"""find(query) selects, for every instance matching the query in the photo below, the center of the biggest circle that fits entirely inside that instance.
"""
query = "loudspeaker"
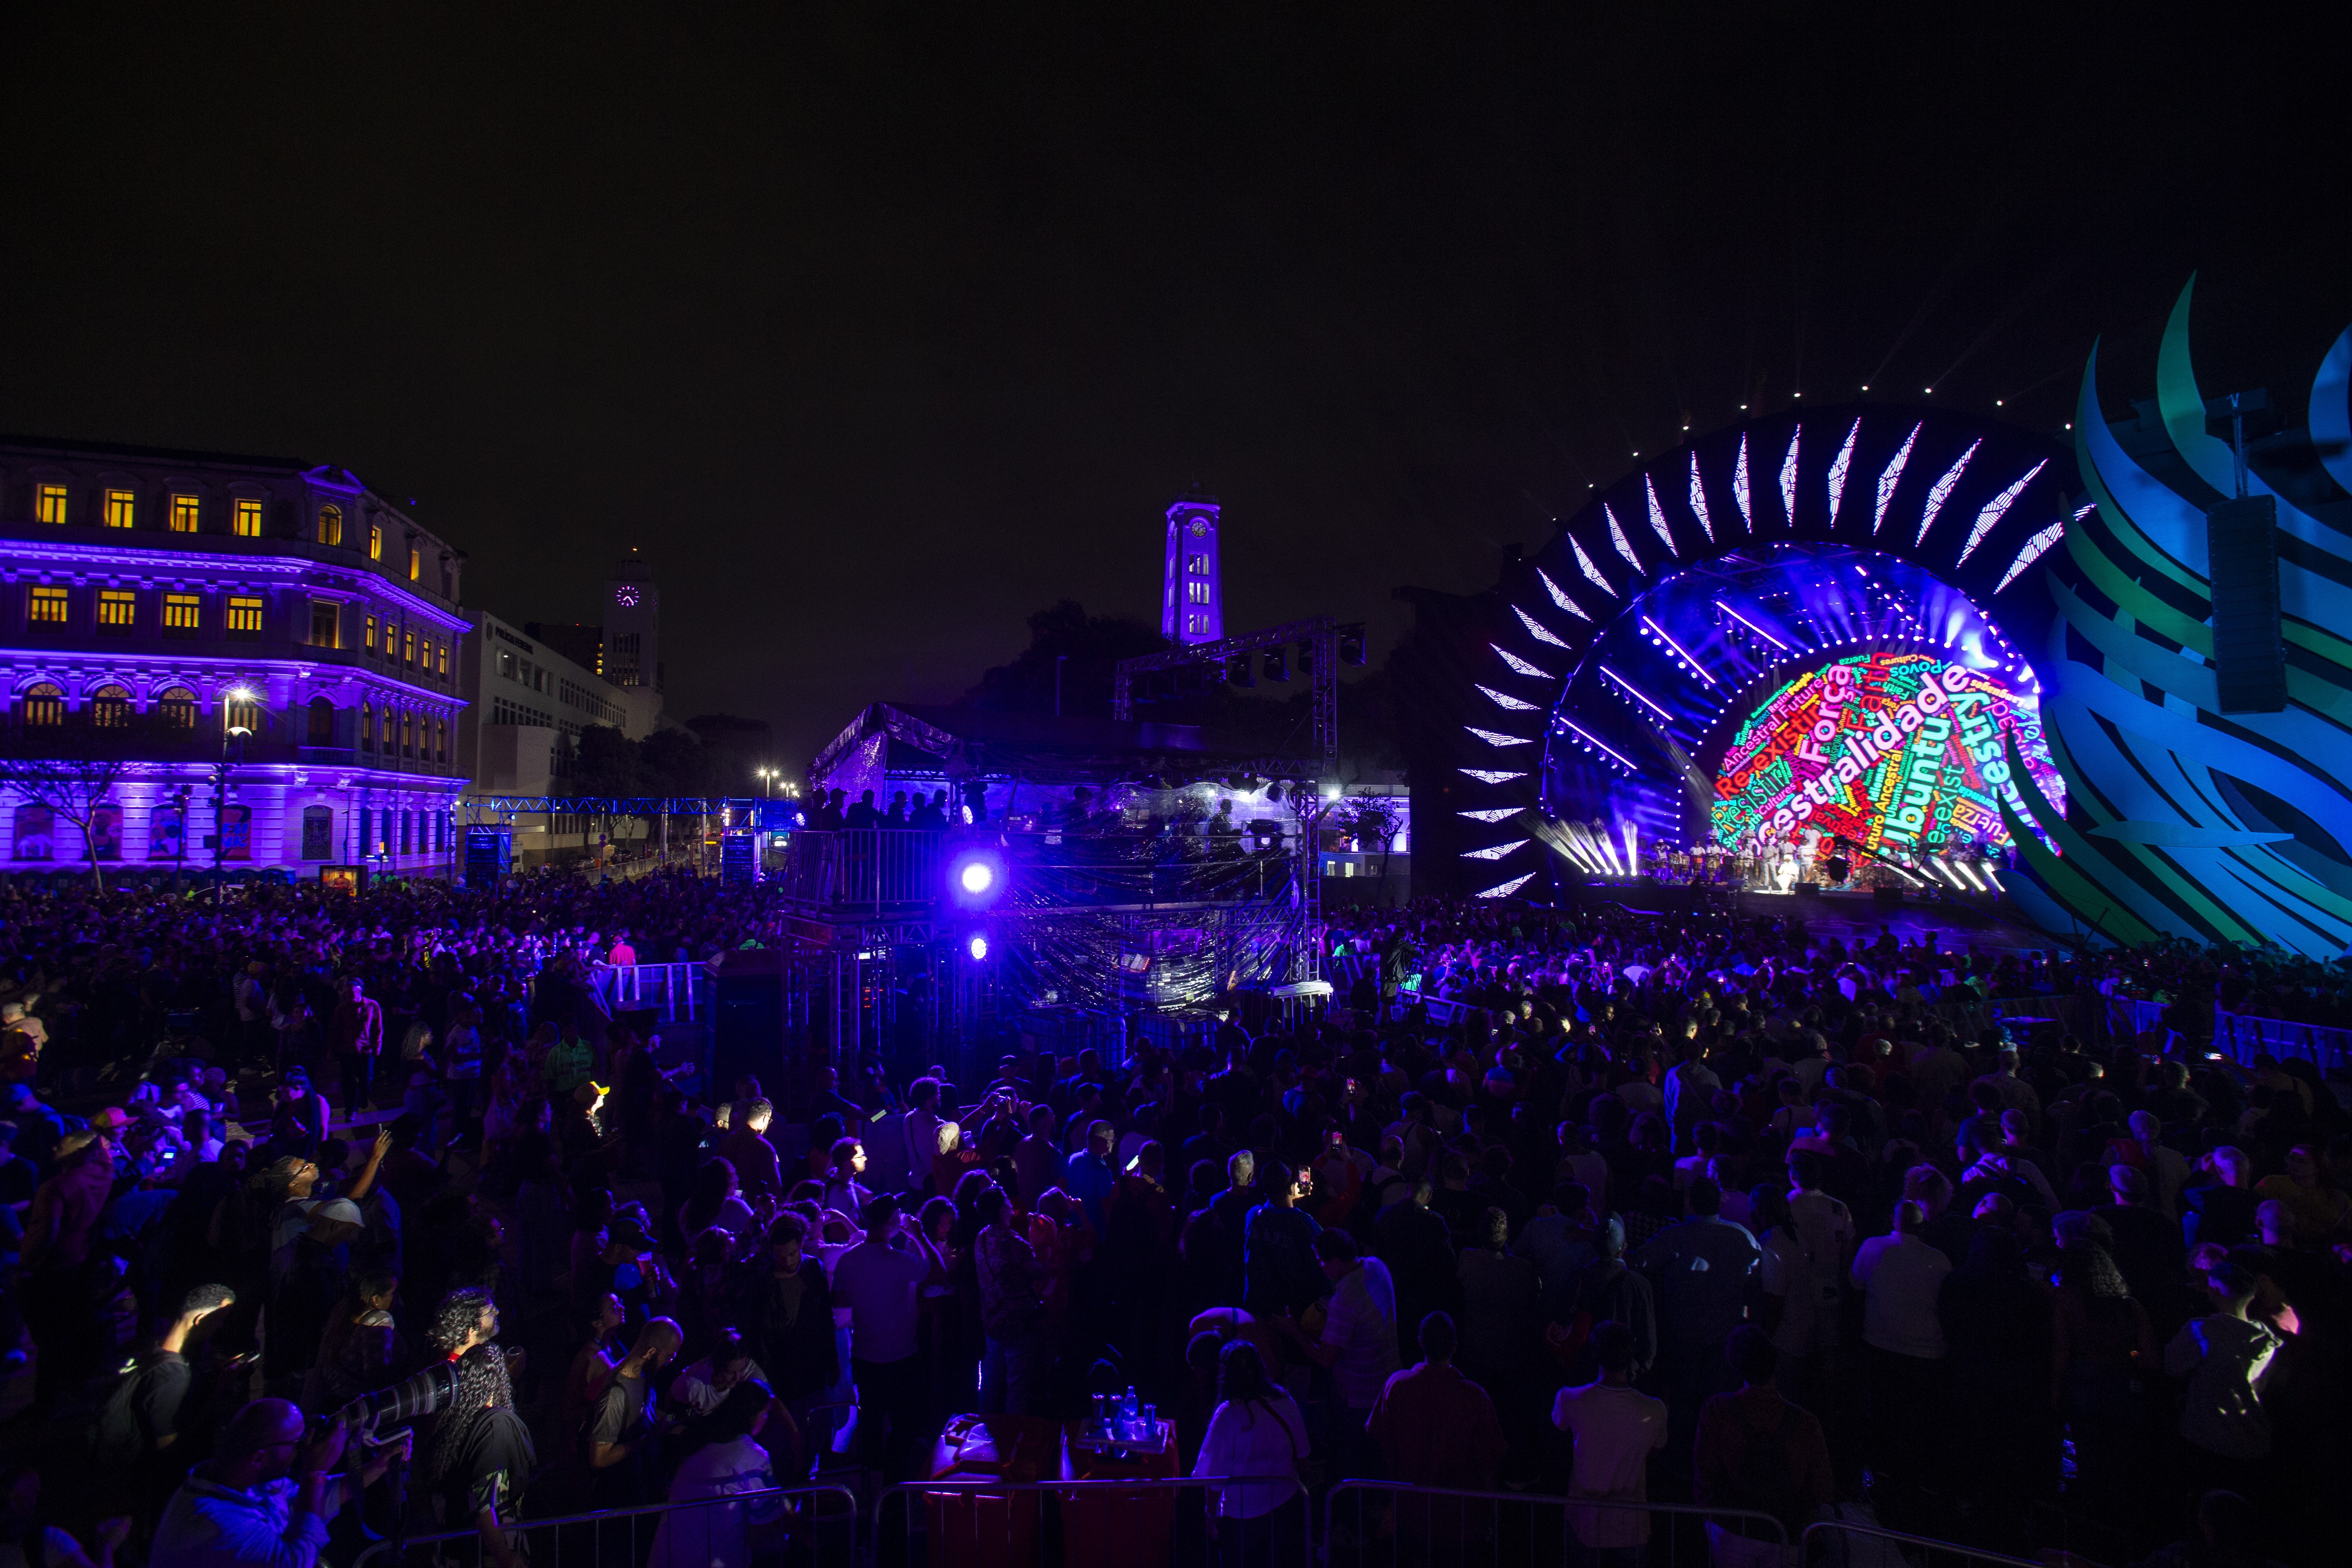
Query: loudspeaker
(747, 1034)
(2241, 540)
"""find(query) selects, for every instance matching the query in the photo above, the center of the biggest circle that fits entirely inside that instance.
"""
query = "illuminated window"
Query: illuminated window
(121, 509)
(245, 716)
(1198, 567)
(1196, 623)
(331, 525)
(182, 613)
(367, 638)
(408, 734)
(440, 740)
(415, 563)
(49, 504)
(184, 515)
(46, 606)
(375, 542)
(175, 707)
(42, 704)
(1196, 590)
(408, 647)
(441, 661)
(110, 707)
(117, 609)
(325, 622)
(367, 726)
(247, 521)
(244, 616)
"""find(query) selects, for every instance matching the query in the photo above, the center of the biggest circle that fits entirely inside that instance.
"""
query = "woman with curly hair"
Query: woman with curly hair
(480, 1454)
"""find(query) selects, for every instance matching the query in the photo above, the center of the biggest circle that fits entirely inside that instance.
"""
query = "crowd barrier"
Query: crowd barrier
(820, 1522)
(1132, 1524)
(2242, 1036)
(1387, 1524)
(665, 988)
(1837, 1544)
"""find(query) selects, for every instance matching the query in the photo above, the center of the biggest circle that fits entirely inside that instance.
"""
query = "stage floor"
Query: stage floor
(1994, 925)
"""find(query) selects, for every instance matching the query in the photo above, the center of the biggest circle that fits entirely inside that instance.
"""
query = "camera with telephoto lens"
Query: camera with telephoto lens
(387, 1409)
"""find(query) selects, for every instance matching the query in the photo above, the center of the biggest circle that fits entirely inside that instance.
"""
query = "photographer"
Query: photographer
(264, 1498)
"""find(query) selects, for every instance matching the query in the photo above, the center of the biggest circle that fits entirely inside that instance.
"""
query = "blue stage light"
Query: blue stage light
(977, 877)
(978, 947)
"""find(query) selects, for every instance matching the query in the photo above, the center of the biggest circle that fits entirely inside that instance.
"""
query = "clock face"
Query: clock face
(624, 596)
(1200, 528)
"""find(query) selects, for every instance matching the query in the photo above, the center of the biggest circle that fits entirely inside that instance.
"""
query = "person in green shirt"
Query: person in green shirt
(569, 1061)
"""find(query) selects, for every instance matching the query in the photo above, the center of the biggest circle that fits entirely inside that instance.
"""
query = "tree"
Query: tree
(1369, 819)
(72, 767)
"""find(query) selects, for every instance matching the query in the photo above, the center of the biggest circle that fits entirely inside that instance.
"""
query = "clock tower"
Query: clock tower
(1193, 594)
(631, 651)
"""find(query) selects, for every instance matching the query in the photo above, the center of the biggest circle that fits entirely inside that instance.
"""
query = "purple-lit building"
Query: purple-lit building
(1192, 592)
(163, 584)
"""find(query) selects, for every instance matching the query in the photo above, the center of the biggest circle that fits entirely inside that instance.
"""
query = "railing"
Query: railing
(863, 869)
(623, 1536)
(1135, 1523)
(667, 987)
(1834, 1542)
(1380, 1524)
(2242, 1036)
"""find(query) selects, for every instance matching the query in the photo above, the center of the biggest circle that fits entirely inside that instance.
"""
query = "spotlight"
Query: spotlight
(1273, 794)
(976, 879)
(978, 947)
(1352, 644)
(1277, 663)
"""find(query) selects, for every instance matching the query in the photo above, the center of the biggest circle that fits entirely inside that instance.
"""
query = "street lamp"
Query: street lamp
(231, 696)
(768, 777)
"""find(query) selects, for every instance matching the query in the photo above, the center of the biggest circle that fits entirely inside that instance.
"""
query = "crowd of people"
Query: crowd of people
(1675, 1207)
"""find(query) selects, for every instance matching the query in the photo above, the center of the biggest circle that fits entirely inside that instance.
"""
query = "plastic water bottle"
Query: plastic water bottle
(1127, 1415)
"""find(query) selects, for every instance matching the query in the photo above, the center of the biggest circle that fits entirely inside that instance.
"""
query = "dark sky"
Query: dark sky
(879, 326)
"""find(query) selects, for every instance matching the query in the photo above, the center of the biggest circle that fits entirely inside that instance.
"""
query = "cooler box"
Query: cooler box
(984, 1529)
(1129, 1530)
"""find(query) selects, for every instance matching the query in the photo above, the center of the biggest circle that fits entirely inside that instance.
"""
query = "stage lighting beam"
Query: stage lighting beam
(1751, 626)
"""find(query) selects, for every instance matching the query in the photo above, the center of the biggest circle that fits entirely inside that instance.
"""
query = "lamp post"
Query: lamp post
(229, 732)
(767, 777)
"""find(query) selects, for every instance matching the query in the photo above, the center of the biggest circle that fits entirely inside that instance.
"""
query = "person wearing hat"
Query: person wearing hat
(22, 1039)
(302, 1115)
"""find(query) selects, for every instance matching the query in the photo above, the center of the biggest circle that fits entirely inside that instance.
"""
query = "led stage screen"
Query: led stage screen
(1900, 752)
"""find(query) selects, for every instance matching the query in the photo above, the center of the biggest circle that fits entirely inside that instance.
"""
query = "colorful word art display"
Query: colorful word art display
(1900, 753)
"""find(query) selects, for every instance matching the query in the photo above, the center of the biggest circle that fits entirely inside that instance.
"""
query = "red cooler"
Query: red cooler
(989, 1529)
(1129, 1530)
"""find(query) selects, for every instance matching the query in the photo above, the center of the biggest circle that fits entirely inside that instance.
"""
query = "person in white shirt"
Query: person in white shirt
(1617, 1429)
(1256, 1430)
(704, 1385)
(1901, 1277)
(730, 1463)
(877, 1281)
(1358, 1342)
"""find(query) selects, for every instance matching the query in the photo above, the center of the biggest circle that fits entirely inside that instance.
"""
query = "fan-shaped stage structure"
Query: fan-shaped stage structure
(1798, 627)
(1940, 639)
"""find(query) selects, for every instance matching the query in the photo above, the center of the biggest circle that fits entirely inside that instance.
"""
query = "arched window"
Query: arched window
(175, 707)
(110, 707)
(367, 726)
(408, 734)
(331, 525)
(42, 703)
(245, 716)
(318, 832)
(441, 740)
(322, 722)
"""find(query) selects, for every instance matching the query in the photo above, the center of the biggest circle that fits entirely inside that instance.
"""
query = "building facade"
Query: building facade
(527, 705)
(1192, 592)
(282, 640)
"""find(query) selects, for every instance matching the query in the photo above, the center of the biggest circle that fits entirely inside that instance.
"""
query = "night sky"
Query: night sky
(880, 325)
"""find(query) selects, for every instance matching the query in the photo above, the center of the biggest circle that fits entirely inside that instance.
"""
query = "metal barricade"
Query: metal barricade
(666, 988)
(1392, 1524)
(1032, 1526)
(820, 1522)
(1834, 1543)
